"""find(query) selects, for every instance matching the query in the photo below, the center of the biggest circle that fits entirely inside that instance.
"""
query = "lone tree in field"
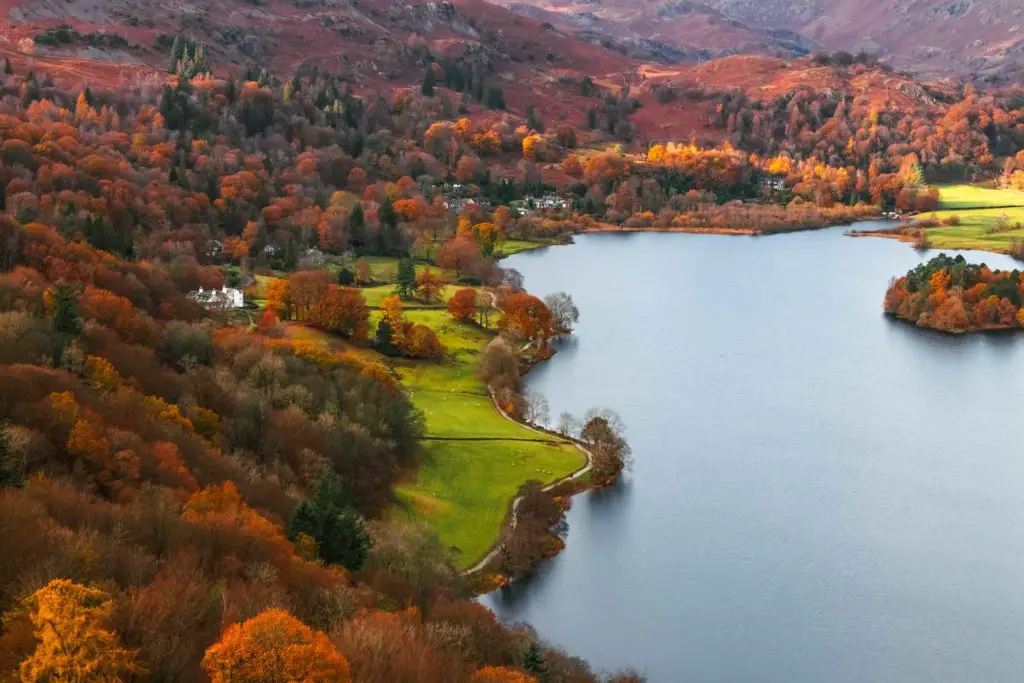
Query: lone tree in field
(462, 306)
(536, 409)
(429, 286)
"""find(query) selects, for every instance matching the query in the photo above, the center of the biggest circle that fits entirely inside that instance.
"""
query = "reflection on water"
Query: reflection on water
(819, 492)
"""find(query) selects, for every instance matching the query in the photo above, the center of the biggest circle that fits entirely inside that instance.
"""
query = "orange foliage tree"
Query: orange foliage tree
(305, 289)
(462, 305)
(342, 310)
(501, 674)
(526, 316)
(279, 299)
(274, 647)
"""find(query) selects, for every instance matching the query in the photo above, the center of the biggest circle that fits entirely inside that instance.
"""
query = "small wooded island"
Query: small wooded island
(951, 295)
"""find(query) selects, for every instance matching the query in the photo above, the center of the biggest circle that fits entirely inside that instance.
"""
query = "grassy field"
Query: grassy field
(978, 209)
(510, 247)
(473, 459)
(376, 294)
(965, 197)
(464, 488)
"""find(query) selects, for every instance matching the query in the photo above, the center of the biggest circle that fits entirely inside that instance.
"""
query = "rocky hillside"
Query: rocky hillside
(982, 39)
(669, 31)
(371, 45)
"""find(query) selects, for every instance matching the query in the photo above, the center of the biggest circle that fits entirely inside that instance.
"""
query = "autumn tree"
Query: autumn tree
(500, 674)
(305, 289)
(274, 647)
(526, 316)
(418, 341)
(75, 642)
(462, 305)
(342, 310)
(268, 323)
(461, 254)
(362, 272)
(429, 286)
(279, 299)
(392, 310)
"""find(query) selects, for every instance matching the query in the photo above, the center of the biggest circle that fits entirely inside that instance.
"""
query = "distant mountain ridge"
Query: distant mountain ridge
(980, 39)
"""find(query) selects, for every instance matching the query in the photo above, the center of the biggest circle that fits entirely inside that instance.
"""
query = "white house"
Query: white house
(221, 299)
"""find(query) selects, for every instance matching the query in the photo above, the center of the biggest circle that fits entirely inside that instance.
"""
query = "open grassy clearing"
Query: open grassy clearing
(971, 233)
(510, 247)
(978, 209)
(375, 295)
(257, 291)
(464, 487)
(474, 460)
(966, 197)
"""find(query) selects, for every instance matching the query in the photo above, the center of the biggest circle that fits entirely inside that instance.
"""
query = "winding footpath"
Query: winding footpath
(513, 517)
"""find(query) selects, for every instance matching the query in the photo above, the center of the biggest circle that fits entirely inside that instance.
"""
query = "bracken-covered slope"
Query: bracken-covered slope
(979, 38)
(666, 31)
(371, 44)
(542, 60)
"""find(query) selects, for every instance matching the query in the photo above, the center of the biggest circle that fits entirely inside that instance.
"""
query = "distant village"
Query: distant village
(455, 200)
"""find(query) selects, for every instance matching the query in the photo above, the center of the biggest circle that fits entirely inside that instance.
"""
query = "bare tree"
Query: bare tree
(499, 365)
(567, 424)
(536, 409)
(564, 313)
(512, 278)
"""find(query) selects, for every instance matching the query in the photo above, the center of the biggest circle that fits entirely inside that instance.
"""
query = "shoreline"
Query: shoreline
(694, 230)
(511, 518)
(907, 239)
(609, 228)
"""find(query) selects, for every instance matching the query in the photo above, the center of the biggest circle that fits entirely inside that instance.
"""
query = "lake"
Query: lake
(819, 494)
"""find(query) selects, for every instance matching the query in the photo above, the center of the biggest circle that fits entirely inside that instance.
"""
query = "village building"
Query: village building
(225, 298)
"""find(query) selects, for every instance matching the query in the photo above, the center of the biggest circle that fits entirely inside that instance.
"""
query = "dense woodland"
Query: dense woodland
(181, 496)
(951, 295)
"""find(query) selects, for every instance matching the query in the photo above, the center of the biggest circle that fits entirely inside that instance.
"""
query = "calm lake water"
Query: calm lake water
(819, 494)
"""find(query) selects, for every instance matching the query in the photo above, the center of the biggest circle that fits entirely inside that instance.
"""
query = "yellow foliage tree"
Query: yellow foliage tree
(102, 376)
(429, 286)
(391, 308)
(274, 647)
(74, 641)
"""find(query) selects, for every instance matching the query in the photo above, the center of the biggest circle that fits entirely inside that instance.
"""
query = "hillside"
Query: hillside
(667, 32)
(370, 45)
(976, 38)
